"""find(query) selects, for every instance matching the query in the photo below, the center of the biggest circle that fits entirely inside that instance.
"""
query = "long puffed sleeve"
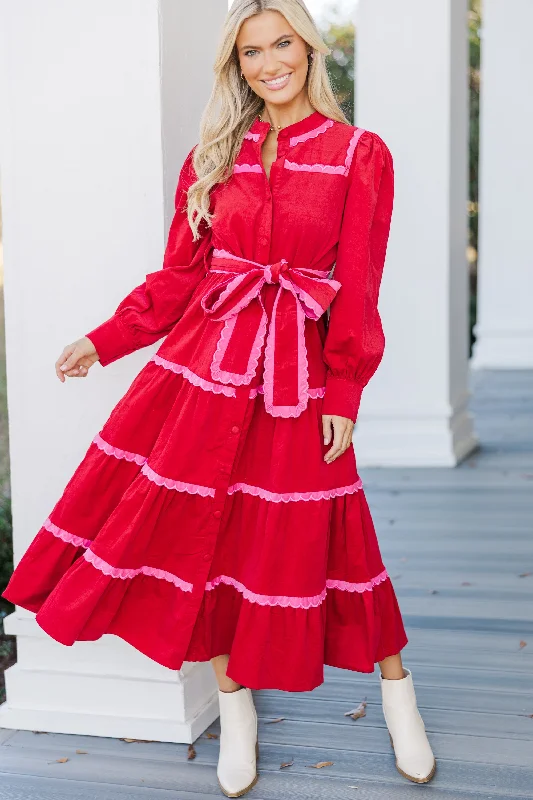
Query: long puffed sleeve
(151, 310)
(354, 341)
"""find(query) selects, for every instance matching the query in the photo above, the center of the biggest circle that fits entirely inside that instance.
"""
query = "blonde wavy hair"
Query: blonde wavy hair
(233, 105)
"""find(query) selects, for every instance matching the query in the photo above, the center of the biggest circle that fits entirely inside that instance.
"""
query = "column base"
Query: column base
(503, 350)
(103, 688)
(414, 441)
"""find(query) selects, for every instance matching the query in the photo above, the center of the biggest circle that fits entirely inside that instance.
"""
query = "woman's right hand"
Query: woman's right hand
(76, 359)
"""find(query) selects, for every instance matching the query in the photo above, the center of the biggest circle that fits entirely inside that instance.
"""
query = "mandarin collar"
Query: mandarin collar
(304, 125)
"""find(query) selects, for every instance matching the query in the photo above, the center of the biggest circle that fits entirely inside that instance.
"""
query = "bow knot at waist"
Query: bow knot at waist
(236, 300)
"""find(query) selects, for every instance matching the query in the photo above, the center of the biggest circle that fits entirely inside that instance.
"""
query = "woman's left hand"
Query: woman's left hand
(342, 435)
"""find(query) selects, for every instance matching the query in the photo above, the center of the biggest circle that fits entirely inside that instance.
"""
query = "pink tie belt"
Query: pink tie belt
(302, 293)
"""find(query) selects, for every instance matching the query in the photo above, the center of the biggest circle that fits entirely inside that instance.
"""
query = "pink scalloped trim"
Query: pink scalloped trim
(325, 168)
(351, 148)
(265, 599)
(268, 370)
(346, 586)
(287, 601)
(312, 393)
(340, 169)
(253, 136)
(77, 541)
(124, 574)
(179, 486)
(223, 341)
(311, 134)
(117, 452)
(287, 497)
(247, 168)
(192, 377)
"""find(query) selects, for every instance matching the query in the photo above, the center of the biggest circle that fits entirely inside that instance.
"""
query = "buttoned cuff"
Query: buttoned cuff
(342, 397)
(112, 340)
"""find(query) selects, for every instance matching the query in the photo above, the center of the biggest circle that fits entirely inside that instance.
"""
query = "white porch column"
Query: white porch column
(504, 330)
(411, 89)
(98, 112)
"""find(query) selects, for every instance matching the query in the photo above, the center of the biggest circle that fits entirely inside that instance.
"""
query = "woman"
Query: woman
(221, 497)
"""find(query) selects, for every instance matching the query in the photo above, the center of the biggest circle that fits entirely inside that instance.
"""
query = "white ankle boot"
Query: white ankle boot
(414, 757)
(236, 770)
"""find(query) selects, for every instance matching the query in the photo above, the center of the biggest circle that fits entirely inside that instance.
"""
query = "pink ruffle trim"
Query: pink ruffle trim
(180, 486)
(294, 601)
(311, 134)
(222, 345)
(253, 597)
(247, 168)
(340, 169)
(179, 369)
(312, 393)
(77, 541)
(253, 136)
(329, 169)
(117, 452)
(351, 148)
(346, 586)
(287, 497)
(118, 572)
(268, 600)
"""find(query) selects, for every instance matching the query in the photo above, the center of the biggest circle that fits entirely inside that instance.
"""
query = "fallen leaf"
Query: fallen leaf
(137, 740)
(82, 752)
(61, 760)
(321, 764)
(358, 712)
(522, 644)
(525, 574)
(287, 764)
(466, 583)
(212, 735)
(270, 721)
(191, 752)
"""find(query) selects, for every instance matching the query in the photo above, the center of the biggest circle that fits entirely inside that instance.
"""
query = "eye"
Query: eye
(247, 52)
(285, 41)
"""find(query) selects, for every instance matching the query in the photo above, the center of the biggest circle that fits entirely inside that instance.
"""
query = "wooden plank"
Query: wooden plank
(22, 787)
(29, 787)
(198, 775)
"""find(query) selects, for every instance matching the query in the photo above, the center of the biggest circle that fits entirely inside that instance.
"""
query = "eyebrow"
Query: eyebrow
(254, 47)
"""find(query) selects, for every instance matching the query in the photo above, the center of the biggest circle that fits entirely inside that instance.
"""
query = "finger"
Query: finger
(326, 428)
(71, 360)
(334, 451)
(79, 371)
(347, 438)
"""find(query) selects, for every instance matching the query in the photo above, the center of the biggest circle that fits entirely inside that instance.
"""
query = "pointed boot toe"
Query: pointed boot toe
(237, 762)
(414, 756)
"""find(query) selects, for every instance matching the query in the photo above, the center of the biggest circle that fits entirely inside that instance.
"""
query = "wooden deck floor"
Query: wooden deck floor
(455, 542)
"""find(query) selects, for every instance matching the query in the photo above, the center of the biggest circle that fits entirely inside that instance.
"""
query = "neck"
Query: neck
(281, 116)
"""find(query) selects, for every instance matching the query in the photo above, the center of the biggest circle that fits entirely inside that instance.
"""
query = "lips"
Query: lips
(278, 83)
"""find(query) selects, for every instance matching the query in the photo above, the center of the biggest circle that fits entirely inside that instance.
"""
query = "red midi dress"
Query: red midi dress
(203, 518)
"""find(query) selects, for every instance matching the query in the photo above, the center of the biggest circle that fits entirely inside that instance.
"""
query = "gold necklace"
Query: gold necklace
(272, 128)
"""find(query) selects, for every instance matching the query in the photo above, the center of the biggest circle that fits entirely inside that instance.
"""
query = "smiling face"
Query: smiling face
(272, 57)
